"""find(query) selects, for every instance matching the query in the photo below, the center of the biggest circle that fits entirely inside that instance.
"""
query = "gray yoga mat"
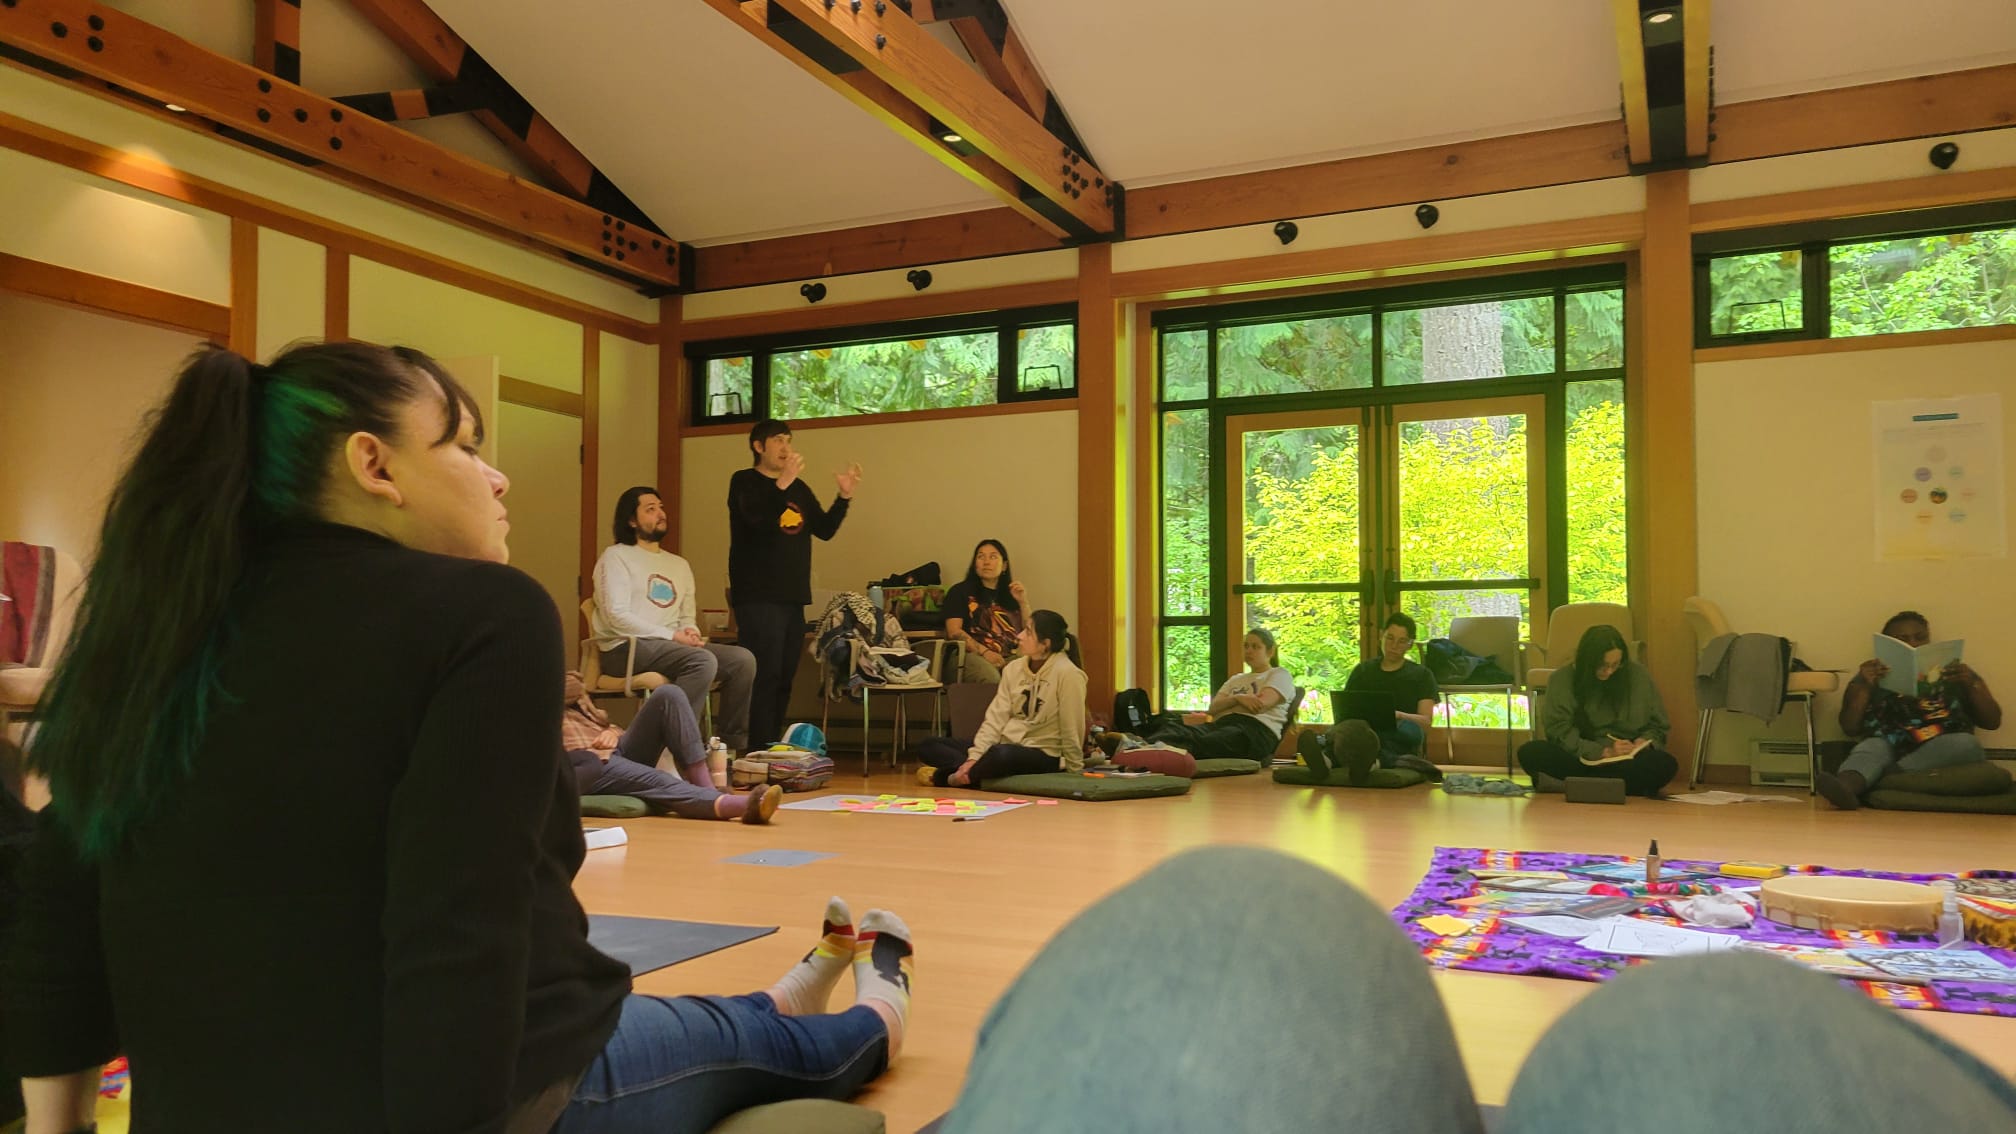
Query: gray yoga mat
(648, 943)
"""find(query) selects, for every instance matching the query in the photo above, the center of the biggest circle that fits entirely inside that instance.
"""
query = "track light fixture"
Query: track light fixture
(1286, 231)
(813, 292)
(920, 278)
(1426, 215)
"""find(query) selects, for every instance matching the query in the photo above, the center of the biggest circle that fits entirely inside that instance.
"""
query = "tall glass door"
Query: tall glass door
(1337, 518)
(1299, 558)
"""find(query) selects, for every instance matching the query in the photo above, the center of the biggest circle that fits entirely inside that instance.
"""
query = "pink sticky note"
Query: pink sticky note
(1046, 803)
(1012, 799)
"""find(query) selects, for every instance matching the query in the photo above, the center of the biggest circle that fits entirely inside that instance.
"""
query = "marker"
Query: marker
(1652, 863)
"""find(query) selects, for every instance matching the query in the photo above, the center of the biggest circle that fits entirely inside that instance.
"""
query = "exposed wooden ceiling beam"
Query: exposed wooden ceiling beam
(994, 44)
(107, 44)
(276, 38)
(1664, 60)
(428, 40)
(408, 105)
(868, 248)
(1928, 106)
(883, 60)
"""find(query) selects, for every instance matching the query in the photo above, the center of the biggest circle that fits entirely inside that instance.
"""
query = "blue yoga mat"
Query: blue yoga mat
(648, 943)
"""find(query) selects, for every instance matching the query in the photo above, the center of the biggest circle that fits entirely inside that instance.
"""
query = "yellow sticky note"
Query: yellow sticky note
(1442, 925)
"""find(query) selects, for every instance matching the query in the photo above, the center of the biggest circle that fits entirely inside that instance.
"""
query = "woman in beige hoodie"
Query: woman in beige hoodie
(1037, 720)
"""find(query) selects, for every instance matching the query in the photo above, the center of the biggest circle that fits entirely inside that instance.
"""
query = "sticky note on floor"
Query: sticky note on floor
(1046, 803)
(1442, 925)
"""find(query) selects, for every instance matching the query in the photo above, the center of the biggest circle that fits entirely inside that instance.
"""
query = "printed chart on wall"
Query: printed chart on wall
(1939, 478)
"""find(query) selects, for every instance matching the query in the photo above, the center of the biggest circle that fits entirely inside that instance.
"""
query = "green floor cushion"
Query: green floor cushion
(1065, 785)
(1983, 777)
(1225, 766)
(1890, 799)
(1340, 777)
(613, 807)
(803, 1116)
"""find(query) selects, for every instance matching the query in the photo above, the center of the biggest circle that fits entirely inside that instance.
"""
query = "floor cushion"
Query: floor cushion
(1982, 788)
(1341, 777)
(1225, 766)
(803, 1116)
(1065, 785)
(613, 807)
(1983, 777)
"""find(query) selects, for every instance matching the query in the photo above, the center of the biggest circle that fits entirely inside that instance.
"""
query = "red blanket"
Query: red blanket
(28, 579)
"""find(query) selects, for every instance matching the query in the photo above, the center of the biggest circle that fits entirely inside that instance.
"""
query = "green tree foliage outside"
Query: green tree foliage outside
(894, 376)
(1464, 496)
(1921, 283)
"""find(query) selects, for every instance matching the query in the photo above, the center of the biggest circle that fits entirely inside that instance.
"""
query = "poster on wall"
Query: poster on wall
(1939, 478)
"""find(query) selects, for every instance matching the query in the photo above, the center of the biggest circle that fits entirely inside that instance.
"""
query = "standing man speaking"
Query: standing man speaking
(772, 517)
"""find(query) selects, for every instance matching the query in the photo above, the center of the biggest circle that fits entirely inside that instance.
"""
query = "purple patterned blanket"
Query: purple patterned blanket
(1496, 946)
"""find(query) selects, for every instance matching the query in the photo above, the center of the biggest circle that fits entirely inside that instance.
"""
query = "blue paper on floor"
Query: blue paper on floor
(647, 943)
(778, 857)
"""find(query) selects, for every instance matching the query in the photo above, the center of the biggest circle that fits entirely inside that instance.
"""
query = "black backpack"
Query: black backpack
(1131, 711)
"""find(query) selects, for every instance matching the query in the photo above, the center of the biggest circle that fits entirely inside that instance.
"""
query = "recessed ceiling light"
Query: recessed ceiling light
(176, 109)
(1658, 17)
(950, 139)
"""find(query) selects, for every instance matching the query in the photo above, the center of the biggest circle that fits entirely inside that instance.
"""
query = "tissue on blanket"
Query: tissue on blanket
(1724, 910)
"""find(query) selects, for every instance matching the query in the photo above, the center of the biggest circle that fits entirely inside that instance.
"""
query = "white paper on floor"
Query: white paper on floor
(1720, 797)
(1557, 925)
(1634, 938)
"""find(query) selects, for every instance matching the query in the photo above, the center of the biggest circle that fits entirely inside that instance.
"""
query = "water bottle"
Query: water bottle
(1952, 931)
(875, 597)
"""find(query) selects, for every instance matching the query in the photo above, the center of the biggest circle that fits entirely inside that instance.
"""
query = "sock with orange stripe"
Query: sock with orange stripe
(803, 990)
(882, 966)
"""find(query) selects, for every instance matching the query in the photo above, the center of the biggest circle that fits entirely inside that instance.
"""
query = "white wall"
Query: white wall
(628, 443)
(75, 387)
(1787, 531)
(932, 489)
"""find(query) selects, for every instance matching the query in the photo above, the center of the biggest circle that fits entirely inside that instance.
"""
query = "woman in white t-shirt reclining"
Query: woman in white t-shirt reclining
(1245, 718)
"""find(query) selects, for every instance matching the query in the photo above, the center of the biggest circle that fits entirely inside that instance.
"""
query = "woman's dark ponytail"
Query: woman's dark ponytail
(1051, 630)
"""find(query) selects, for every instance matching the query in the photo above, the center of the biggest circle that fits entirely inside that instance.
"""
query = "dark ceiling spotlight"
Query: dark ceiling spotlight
(1426, 215)
(813, 292)
(1944, 155)
(1286, 231)
(949, 138)
(920, 278)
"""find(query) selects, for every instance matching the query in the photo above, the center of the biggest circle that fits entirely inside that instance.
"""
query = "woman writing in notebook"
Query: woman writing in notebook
(1601, 716)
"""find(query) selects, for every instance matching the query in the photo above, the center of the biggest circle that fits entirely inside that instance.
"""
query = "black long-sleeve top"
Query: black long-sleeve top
(356, 914)
(770, 532)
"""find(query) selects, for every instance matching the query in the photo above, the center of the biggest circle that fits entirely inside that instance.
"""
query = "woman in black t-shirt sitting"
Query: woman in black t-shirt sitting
(987, 611)
(1412, 687)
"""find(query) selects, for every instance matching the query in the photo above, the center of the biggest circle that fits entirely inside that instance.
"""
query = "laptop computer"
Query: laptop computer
(1374, 708)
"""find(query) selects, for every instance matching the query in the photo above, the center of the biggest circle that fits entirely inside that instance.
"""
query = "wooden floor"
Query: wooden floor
(981, 897)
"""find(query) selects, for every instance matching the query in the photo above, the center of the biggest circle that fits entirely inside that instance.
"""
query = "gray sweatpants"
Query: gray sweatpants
(693, 669)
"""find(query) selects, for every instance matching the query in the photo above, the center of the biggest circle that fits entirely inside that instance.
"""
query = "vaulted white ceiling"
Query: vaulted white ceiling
(719, 138)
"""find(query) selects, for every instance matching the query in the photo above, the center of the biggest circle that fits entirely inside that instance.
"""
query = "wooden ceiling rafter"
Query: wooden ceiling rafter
(110, 46)
(997, 48)
(276, 38)
(1954, 102)
(1665, 67)
(879, 57)
(445, 56)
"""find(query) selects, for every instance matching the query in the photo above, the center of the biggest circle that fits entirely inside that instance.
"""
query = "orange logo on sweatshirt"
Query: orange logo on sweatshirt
(792, 521)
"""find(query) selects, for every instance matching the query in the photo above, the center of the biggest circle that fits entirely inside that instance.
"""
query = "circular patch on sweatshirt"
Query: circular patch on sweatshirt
(660, 591)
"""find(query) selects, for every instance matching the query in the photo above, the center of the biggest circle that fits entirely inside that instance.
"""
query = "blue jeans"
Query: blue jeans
(679, 1064)
(1876, 757)
(1118, 1034)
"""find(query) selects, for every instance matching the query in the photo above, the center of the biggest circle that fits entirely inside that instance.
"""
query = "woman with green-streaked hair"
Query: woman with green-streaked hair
(309, 858)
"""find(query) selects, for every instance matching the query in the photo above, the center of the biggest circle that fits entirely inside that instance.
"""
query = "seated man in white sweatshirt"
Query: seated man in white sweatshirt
(646, 592)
